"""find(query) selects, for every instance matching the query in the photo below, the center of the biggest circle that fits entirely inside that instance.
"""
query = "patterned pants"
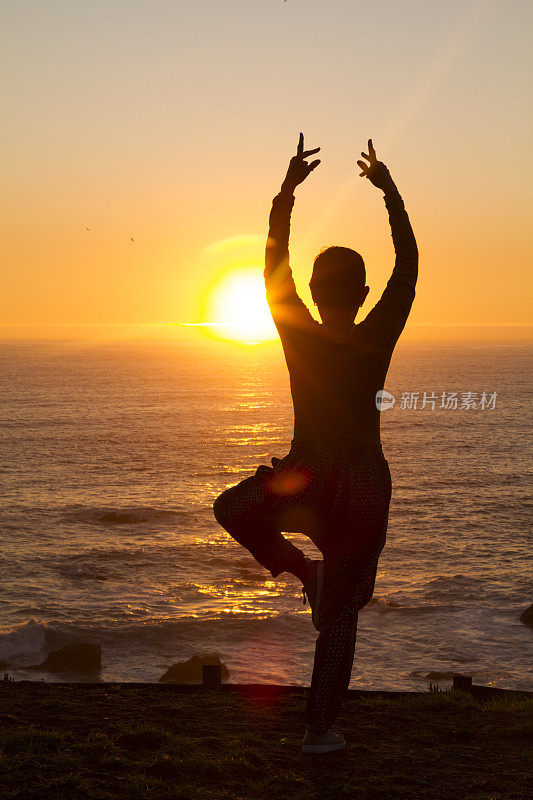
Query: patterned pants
(340, 499)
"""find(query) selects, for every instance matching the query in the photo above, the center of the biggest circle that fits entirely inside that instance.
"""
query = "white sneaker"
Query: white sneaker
(323, 744)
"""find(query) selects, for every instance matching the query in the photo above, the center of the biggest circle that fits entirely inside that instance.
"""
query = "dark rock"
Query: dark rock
(435, 675)
(79, 657)
(190, 671)
(439, 675)
(527, 616)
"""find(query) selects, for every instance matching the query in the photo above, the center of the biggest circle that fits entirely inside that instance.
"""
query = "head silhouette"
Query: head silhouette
(338, 285)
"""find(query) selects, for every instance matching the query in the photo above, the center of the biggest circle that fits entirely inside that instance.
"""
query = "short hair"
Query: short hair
(338, 278)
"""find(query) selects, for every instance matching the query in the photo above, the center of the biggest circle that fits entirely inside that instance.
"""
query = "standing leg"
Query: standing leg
(334, 653)
(351, 554)
(348, 587)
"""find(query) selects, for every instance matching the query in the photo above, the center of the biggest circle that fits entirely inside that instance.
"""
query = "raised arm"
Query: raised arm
(285, 305)
(388, 317)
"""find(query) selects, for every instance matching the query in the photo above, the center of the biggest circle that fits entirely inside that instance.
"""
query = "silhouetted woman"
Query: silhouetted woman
(334, 485)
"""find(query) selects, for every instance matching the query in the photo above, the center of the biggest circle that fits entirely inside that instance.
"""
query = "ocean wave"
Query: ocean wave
(482, 675)
(126, 631)
(185, 592)
(102, 563)
(445, 484)
(87, 571)
(221, 472)
(23, 644)
(107, 554)
(131, 515)
(383, 604)
(463, 586)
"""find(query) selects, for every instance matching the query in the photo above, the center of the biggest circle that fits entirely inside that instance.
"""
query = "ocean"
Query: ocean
(112, 454)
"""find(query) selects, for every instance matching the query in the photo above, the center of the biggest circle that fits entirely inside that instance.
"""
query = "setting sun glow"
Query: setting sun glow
(238, 308)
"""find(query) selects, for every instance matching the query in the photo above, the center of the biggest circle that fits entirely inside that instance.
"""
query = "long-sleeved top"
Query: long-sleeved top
(334, 379)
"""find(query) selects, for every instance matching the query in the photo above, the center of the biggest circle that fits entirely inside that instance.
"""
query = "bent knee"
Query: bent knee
(223, 509)
(218, 508)
(238, 505)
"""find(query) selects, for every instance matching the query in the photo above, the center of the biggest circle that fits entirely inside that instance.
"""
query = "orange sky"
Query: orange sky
(172, 123)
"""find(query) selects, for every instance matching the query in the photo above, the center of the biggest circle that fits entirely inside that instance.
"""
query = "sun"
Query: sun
(237, 307)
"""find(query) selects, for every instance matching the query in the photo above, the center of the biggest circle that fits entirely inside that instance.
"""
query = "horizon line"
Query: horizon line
(210, 324)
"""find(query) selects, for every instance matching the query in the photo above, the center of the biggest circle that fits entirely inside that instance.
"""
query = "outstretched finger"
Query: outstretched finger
(314, 164)
(308, 153)
(371, 151)
(364, 167)
(300, 148)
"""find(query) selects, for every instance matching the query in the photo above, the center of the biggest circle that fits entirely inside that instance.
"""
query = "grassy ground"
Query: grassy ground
(140, 743)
